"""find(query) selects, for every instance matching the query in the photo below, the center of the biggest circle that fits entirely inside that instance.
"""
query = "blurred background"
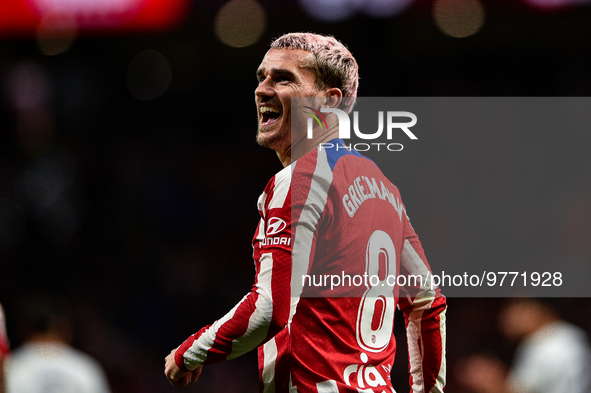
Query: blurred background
(129, 172)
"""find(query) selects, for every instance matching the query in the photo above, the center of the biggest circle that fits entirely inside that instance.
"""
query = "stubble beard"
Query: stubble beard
(272, 140)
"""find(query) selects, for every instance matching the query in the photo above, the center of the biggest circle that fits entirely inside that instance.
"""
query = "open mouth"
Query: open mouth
(269, 115)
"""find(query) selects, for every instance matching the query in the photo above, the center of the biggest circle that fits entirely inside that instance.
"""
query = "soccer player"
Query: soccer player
(46, 362)
(552, 355)
(329, 212)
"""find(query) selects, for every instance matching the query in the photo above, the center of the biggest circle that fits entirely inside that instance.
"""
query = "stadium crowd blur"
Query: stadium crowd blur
(129, 173)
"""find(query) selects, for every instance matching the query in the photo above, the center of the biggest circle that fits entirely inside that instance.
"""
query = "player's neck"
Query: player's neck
(304, 145)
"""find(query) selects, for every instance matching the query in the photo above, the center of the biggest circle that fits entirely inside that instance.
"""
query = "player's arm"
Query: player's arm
(177, 377)
(259, 316)
(424, 312)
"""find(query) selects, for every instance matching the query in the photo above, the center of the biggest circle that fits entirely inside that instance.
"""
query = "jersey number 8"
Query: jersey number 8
(375, 318)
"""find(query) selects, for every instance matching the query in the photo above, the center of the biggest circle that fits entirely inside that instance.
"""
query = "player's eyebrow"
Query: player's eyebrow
(276, 71)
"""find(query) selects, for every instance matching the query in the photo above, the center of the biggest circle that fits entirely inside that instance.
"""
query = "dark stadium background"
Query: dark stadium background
(145, 225)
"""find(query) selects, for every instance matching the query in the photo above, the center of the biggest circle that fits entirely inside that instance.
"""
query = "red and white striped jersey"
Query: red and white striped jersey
(331, 214)
(4, 347)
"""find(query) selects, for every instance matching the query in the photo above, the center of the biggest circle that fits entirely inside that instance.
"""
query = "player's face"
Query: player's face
(281, 75)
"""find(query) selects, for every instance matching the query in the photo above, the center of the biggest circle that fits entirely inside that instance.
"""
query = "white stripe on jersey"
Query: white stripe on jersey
(306, 226)
(415, 351)
(270, 355)
(440, 381)
(423, 300)
(261, 201)
(263, 312)
(206, 341)
(261, 230)
(282, 184)
(411, 260)
(327, 387)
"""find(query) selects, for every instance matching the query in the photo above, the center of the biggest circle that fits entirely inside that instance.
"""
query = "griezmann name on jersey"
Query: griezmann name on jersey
(331, 213)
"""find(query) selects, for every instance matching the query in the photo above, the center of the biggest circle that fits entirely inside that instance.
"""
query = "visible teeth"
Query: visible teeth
(265, 109)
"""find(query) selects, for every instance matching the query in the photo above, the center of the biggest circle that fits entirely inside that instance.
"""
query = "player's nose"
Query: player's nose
(264, 89)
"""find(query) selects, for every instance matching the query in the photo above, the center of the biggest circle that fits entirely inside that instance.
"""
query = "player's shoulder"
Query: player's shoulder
(349, 164)
(282, 178)
(277, 190)
(338, 153)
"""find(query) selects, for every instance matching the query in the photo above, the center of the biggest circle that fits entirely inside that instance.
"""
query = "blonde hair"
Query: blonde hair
(333, 64)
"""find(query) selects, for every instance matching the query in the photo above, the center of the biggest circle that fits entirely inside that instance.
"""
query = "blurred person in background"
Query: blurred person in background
(46, 362)
(552, 355)
(311, 341)
(4, 349)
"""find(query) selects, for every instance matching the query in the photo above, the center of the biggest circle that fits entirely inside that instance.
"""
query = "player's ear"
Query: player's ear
(334, 96)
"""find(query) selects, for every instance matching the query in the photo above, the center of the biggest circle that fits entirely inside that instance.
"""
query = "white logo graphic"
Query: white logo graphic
(275, 226)
(345, 124)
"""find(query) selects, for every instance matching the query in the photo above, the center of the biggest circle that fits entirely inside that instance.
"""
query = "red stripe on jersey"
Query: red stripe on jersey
(4, 345)
(318, 217)
(432, 343)
(265, 310)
